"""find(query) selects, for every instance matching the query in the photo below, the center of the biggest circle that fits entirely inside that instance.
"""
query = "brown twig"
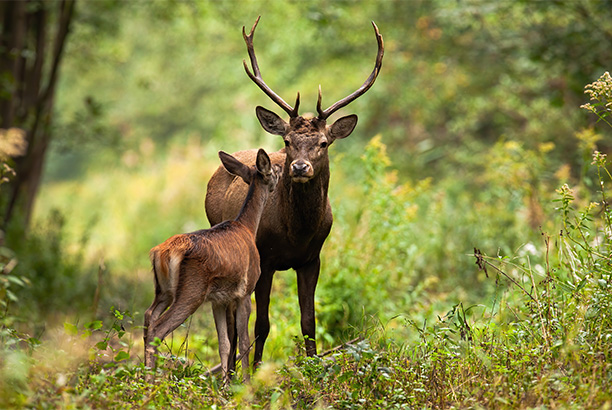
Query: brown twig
(340, 347)
(216, 369)
(483, 263)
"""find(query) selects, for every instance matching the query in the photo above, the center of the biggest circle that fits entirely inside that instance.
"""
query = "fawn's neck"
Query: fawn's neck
(253, 206)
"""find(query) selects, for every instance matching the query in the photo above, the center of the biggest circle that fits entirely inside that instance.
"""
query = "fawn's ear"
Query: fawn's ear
(235, 167)
(271, 122)
(264, 166)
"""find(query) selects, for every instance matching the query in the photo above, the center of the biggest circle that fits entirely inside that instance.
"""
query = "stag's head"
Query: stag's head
(307, 139)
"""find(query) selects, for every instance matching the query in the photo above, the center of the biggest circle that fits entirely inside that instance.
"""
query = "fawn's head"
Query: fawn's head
(263, 169)
(307, 139)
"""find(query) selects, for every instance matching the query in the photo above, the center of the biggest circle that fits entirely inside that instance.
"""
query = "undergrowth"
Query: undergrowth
(541, 336)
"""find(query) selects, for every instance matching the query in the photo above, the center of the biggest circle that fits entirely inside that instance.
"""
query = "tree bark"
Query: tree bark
(33, 72)
(11, 45)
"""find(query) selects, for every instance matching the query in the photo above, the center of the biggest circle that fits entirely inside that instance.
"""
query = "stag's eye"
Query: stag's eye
(324, 144)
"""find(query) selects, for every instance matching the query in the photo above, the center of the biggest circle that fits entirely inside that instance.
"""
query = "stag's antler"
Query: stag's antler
(256, 75)
(323, 114)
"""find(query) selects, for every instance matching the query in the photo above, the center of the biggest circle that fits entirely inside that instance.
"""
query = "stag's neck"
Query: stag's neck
(306, 202)
(253, 206)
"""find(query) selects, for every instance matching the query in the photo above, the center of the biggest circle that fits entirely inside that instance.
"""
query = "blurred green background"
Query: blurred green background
(470, 128)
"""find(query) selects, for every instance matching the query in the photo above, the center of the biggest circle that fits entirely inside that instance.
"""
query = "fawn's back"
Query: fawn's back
(219, 266)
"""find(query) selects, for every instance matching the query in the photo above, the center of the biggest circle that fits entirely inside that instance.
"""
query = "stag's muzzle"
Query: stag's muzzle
(301, 171)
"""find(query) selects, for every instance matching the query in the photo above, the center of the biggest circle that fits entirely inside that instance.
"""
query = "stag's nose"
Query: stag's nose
(301, 168)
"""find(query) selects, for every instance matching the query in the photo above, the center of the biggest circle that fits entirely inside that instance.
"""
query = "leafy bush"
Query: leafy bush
(393, 241)
(58, 277)
(544, 341)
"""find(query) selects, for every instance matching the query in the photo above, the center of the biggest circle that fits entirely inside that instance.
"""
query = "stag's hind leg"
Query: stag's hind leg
(262, 305)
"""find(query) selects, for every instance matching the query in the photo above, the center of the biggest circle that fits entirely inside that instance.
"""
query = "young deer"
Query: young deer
(220, 265)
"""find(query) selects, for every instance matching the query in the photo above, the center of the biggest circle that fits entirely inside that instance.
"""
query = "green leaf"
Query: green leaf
(582, 284)
(122, 356)
(95, 325)
(15, 280)
(274, 397)
(71, 329)
(34, 341)
(103, 345)
(118, 314)
(11, 296)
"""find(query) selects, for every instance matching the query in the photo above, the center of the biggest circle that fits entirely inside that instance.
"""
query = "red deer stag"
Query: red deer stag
(220, 265)
(297, 218)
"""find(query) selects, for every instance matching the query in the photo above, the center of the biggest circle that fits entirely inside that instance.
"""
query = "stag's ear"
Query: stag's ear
(235, 167)
(343, 127)
(271, 122)
(264, 167)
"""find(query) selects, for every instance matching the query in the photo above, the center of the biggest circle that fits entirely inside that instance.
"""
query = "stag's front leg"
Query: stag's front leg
(220, 314)
(307, 277)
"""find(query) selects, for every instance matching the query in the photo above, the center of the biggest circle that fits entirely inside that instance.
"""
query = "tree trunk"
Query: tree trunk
(32, 74)
(11, 44)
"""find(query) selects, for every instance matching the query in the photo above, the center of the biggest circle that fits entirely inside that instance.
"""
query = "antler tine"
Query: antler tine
(255, 76)
(319, 104)
(324, 114)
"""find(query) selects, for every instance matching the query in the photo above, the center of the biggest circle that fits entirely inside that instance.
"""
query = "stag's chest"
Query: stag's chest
(293, 243)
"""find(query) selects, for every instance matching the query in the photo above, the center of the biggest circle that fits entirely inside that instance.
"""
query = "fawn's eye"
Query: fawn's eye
(287, 143)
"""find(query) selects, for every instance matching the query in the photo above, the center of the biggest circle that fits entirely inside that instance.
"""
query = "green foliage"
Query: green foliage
(543, 342)
(407, 239)
(371, 247)
(57, 276)
(540, 341)
(9, 283)
(475, 125)
(453, 74)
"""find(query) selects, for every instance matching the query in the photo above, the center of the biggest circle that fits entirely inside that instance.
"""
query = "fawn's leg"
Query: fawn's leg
(243, 313)
(172, 318)
(232, 334)
(160, 303)
(220, 314)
